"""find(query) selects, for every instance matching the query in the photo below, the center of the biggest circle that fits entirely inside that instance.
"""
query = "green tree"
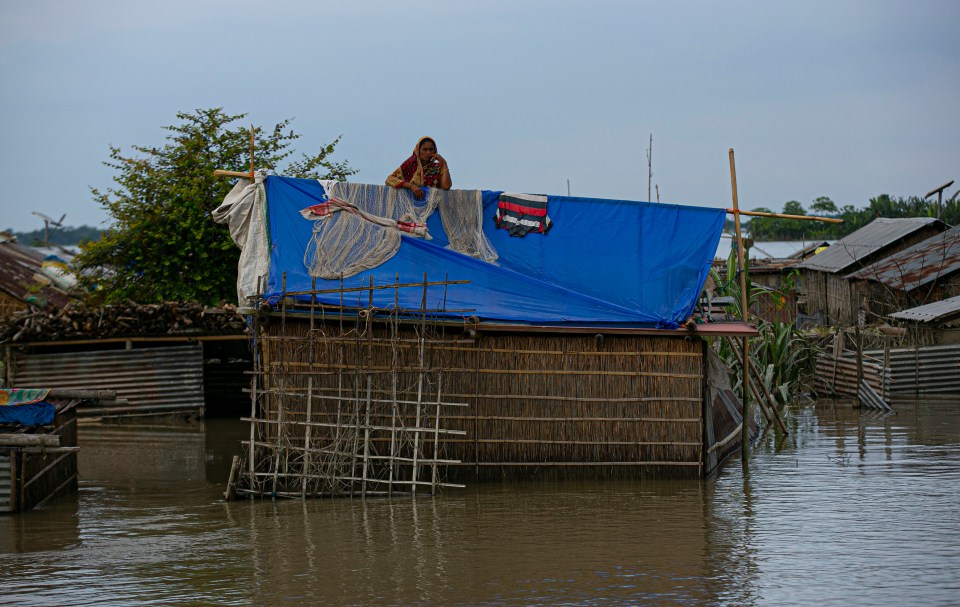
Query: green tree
(794, 207)
(761, 228)
(824, 206)
(163, 244)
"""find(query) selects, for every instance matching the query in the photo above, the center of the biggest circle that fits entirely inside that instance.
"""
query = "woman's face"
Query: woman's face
(427, 149)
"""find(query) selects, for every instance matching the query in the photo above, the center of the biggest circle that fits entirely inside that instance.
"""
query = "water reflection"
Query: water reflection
(850, 508)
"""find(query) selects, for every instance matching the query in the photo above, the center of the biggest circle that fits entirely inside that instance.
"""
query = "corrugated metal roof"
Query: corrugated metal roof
(931, 312)
(876, 235)
(934, 258)
(20, 275)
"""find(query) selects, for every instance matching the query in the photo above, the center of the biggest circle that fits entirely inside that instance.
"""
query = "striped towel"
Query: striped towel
(521, 214)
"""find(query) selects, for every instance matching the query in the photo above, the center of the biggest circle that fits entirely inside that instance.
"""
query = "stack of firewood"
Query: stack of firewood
(77, 321)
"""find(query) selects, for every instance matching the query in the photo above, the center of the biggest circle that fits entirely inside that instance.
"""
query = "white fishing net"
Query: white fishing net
(345, 244)
(462, 215)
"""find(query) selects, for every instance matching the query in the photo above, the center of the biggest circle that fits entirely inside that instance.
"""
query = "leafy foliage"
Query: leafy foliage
(767, 228)
(782, 353)
(163, 244)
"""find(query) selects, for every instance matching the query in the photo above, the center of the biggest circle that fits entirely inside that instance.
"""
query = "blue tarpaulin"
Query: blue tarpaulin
(603, 262)
(33, 414)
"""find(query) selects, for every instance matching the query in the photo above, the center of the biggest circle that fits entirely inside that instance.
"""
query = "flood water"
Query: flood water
(853, 508)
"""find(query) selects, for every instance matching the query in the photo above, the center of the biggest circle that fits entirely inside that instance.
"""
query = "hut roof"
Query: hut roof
(22, 276)
(938, 311)
(925, 262)
(610, 262)
(809, 250)
(872, 238)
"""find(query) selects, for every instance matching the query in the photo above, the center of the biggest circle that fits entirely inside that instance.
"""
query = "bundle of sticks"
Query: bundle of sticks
(77, 321)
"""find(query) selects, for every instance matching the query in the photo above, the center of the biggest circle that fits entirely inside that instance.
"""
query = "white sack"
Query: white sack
(244, 210)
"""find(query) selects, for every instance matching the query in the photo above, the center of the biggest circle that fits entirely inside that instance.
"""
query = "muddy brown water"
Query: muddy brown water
(853, 508)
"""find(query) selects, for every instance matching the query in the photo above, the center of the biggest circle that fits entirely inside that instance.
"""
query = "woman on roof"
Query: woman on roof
(425, 168)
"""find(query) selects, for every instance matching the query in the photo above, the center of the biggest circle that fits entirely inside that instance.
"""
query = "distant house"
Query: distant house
(30, 278)
(935, 323)
(926, 273)
(825, 290)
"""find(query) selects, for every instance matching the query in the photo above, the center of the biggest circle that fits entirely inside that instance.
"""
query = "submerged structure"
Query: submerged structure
(404, 345)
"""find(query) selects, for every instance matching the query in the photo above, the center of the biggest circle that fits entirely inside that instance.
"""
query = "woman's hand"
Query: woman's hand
(439, 159)
(417, 192)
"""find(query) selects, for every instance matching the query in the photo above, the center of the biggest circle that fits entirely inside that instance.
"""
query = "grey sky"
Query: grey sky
(842, 99)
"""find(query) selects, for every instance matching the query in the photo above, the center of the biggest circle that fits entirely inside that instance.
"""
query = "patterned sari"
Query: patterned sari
(414, 173)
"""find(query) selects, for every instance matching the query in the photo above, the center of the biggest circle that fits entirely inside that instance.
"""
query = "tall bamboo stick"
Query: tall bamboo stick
(306, 439)
(741, 259)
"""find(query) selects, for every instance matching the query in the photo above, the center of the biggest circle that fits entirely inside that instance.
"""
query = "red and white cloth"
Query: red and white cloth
(521, 214)
(334, 205)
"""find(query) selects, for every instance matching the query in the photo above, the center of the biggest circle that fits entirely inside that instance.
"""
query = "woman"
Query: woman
(425, 168)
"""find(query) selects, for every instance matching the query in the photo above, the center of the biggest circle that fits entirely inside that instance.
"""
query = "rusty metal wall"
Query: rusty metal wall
(923, 370)
(839, 375)
(152, 379)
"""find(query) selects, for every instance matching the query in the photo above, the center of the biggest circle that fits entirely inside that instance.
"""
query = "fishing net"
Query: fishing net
(462, 214)
(345, 244)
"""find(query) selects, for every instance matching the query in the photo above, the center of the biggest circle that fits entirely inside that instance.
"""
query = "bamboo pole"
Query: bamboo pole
(368, 329)
(223, 173)
(771, 402)
(29, 440)
(254, 394)
(421, 370)
(741, 258)
(393, 383)
(306, 438)
(736, 211)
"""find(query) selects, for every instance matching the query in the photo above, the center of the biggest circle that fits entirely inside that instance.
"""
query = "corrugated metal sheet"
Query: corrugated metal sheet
(933, 259)
(876, 235)
(932, 312)
(19, 266)
(6, 482)
(154, 379)
(839, 376)
(923, 370)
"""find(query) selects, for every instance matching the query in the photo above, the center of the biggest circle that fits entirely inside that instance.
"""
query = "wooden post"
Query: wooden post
(741, 259)
(859, 363)
(886, 369)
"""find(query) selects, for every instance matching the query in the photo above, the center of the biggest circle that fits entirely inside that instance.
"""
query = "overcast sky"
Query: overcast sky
(841, 99)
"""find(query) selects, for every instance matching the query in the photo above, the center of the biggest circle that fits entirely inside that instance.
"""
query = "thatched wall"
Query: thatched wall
(536, 403)
(831, 296)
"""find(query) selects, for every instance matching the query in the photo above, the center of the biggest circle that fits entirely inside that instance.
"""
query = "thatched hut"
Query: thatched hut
(555, 350)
